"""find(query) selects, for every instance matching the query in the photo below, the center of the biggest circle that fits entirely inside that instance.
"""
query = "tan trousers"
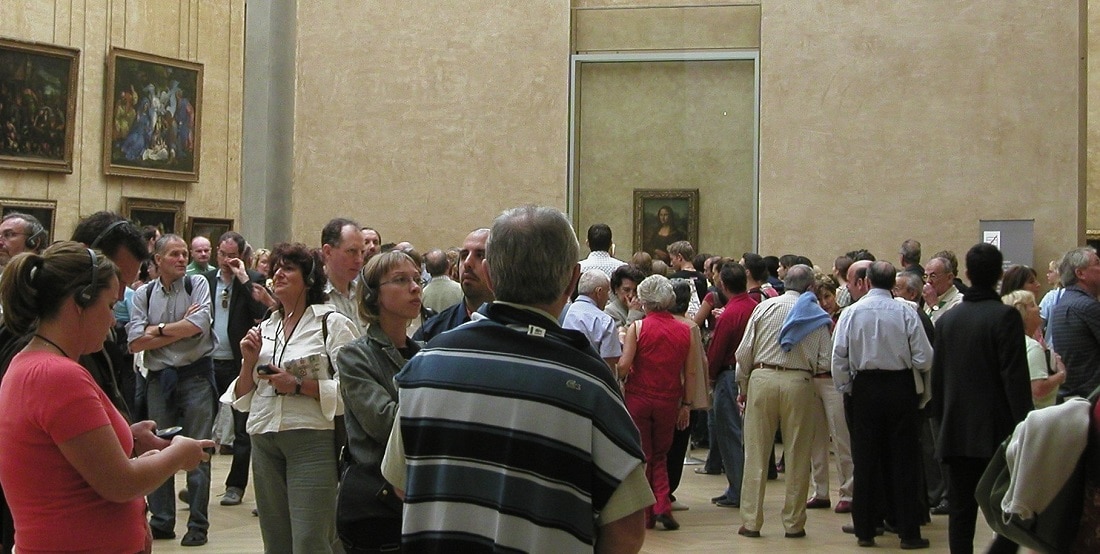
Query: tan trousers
(778, 398)
(829, 422)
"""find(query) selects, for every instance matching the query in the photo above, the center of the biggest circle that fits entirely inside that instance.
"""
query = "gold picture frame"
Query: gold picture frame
(680, 206)
(38, 91)
(152, 117)
(43, 210)
(165, 215)
(210, 227)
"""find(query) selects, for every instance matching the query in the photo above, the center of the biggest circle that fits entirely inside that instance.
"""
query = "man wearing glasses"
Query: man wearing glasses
(20, 233)
(234, 311)
(940, 293)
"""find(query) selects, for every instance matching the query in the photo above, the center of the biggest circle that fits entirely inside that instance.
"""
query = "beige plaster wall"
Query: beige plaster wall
(425, 119)
(882, 121)
(210, 32)
(667, 125)
(1093, 97)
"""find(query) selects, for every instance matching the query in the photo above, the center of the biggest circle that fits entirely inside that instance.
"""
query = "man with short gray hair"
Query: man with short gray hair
(940, 293)
(1075, 321)
(442, 292)
(910, 257)
(511, 401)
(20, 232)
(587, 316)
(170, 321)
(787, 341)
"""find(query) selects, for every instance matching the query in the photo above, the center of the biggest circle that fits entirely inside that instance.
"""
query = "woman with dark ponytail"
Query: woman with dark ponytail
(66, 469)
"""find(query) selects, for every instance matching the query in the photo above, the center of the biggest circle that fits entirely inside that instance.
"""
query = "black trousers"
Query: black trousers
(224, 373)
(963, 475)
(885, 447)
(677, 452)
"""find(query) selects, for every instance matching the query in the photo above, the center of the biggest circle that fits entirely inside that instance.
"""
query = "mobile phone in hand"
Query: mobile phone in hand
(266, 369)
(169, 432)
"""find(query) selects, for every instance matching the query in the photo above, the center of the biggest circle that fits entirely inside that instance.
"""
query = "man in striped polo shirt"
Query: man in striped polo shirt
(511, 434)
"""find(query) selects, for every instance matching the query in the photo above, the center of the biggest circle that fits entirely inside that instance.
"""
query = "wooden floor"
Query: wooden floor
(705, 528)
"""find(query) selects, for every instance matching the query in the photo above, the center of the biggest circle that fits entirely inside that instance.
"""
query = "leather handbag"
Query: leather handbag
(368, 512)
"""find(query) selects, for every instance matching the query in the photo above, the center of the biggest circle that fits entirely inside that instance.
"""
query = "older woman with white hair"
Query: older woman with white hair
(659, 390)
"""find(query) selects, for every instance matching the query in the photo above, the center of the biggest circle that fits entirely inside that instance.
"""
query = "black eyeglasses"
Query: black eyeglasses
(9, 234)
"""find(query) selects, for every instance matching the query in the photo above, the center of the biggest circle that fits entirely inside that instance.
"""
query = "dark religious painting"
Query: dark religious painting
(37, 105)
(153, 116)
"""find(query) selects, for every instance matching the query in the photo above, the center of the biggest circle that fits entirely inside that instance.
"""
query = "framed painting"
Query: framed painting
(209, 227)
(1092, 238)
(38, 89)
(662, 217)
(153, 114)
(166, 215)
(45, 211)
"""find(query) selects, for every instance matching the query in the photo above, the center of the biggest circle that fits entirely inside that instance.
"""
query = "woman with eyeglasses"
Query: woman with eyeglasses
(389, 298)
(289, 386)
(72, 476)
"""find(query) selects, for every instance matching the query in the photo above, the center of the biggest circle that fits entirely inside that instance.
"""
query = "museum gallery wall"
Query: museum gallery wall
(175, 41)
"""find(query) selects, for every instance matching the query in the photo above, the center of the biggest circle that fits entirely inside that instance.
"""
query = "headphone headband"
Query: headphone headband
(85, 296)
(107, 231)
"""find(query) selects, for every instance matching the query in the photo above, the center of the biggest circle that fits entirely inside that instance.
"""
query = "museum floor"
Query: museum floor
(705, 528)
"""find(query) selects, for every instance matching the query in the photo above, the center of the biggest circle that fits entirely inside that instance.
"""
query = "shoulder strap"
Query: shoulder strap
(188, 286)
(324, 340)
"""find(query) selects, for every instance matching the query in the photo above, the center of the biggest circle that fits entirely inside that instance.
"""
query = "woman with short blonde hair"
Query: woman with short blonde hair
(1045, 367)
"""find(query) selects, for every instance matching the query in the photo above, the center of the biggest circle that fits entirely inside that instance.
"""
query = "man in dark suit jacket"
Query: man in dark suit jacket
(474, 278)
(980, 389)
(234, 312)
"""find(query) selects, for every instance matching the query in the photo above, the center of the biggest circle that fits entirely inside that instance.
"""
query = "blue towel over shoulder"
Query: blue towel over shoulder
(805, 316)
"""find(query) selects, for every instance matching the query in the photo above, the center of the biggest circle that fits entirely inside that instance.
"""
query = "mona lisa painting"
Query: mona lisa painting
(662, 217)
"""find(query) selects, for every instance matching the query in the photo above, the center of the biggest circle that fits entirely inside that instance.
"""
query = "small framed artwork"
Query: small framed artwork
(1092, 238)
(153, 116)
(662, 217)
(166, 215)
(38, 89)
(209, 227)
(45, 211)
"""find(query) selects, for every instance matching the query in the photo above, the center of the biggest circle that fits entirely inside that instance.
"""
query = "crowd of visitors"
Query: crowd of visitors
(501, 396)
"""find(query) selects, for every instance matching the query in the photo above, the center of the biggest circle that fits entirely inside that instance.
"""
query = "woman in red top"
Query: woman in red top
(66, 467)
(659, 390)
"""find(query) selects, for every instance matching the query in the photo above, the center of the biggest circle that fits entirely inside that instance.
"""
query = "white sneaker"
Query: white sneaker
(679, 506)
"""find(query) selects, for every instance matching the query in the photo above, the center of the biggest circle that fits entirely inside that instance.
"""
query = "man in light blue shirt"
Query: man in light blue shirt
(170, 322)
(587, 316)
(879, 350)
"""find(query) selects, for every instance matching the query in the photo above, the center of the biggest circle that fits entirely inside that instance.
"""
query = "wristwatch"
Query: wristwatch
(297, 386)
(160, 329)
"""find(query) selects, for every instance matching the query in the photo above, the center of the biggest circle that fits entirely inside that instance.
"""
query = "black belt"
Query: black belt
(780, 368)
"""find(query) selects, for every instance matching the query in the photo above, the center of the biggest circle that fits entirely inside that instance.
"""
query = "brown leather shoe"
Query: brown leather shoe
(818, 503)
(746, 532)
(843, 507)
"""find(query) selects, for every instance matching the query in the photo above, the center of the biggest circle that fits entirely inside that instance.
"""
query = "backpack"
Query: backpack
(188, 286)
